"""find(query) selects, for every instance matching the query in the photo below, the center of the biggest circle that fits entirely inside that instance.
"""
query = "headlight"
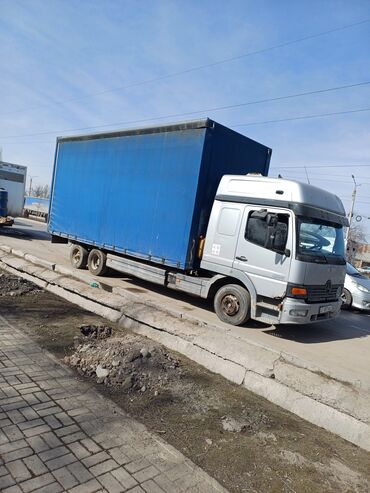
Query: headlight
(362, 288)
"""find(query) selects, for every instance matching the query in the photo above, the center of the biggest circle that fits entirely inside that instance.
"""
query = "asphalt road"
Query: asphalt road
(340, 347)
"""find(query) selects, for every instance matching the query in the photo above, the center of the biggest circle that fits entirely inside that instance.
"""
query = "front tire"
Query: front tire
(97, 262)
(347, 299)
(78, 256)
(232, 304)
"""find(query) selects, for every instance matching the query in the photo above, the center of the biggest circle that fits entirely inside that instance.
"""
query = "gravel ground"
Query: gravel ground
(245, 442)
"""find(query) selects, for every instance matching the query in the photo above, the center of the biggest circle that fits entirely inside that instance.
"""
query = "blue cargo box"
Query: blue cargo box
(147, 192)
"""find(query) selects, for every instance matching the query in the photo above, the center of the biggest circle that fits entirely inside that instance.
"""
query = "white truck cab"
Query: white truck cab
(273, 252)
(280, 243)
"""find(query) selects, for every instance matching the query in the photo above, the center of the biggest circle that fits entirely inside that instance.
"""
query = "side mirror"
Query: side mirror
(271, 221)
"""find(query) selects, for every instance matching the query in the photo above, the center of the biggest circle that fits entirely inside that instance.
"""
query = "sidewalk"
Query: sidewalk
(57, 434)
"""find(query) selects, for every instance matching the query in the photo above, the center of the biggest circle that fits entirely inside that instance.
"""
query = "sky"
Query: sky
(78, 66)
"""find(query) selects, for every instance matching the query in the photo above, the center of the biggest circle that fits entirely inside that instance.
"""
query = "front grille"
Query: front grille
(317, 294)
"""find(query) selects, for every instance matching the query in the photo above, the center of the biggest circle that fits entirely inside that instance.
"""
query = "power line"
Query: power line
(248, 103)
(321, 166)
(357, 201)
(305, 117)
(198, 67)
(325, 177)
(17, 142)
(320, 115)
(317, 175)
(300, 166)
(327, 173)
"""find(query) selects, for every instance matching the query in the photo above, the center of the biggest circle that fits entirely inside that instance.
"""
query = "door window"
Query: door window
(267, 229)
(228, 221)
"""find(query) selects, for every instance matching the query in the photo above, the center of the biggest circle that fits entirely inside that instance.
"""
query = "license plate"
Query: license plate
(326, 309)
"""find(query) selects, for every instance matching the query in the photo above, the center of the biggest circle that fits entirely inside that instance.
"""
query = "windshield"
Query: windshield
(351, 271)
(320, 241)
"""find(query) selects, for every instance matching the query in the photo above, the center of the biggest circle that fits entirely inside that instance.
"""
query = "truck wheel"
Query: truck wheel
(232, 304)
(97, 262)
(78, 256)
(347, 299)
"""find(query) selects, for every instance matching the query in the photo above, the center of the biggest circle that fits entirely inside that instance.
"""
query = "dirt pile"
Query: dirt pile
(16, 286)
(123, 362)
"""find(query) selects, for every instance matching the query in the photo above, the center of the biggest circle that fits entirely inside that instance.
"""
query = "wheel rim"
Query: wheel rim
(76, 256)
(230, 305)
(95, 262)
(344, 298)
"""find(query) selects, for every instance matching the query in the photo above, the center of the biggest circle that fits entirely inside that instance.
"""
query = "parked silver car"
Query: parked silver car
(356, 292)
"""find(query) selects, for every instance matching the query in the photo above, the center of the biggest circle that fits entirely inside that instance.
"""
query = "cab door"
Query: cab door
(264, 249)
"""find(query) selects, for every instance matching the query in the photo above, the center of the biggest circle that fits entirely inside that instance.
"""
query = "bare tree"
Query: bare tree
(42, 191)
(357, 233)
(356, 236)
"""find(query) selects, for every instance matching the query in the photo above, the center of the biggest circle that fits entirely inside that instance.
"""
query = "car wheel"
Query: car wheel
(346, 299)
(97, 262)
(78, 256)
(232, 304)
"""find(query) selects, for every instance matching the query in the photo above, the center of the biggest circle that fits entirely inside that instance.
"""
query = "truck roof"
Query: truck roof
(305, 199)
(153, 129)
(149, 129)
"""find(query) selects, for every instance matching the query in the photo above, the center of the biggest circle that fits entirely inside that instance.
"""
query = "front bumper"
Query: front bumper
(360, 300)
(295, 311)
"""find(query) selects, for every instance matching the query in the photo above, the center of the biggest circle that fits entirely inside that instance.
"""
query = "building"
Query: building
(359, 254)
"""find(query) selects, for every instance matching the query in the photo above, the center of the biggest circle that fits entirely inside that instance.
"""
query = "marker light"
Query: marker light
(299, 291)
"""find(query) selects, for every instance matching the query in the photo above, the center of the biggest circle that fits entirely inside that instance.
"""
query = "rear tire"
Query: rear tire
(232, 304)
(97, 262)
(78, 256)
(347, 299)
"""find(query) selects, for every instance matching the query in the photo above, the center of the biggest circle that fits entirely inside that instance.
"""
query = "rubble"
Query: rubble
(123, 362)
(96, 331)
(16, 286)
(247, 421)
(233, 425)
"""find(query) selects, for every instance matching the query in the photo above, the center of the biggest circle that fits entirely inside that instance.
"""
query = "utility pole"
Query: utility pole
(30, 189)
(349, 246)
(354, 192)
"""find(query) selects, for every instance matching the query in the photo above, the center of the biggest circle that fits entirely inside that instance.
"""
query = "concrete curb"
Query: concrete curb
(340, 407)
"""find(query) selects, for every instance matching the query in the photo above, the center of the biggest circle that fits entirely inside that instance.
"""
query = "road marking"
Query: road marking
(360, 328)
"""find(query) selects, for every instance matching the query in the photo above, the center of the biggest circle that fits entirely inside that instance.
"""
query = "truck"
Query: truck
(189, 206)
(37, 207)
(13, 180)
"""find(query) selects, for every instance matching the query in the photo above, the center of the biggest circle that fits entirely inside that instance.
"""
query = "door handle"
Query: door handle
(242, 258)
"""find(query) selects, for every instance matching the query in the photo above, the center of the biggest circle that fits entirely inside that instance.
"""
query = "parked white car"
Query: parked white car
(356, 292)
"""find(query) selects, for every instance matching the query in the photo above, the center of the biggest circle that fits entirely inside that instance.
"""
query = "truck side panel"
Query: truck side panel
(133, 194)
(147, 193)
